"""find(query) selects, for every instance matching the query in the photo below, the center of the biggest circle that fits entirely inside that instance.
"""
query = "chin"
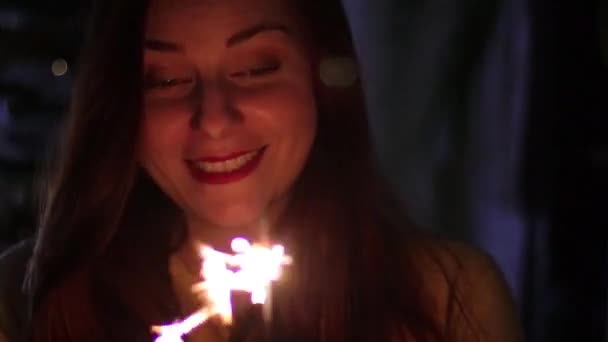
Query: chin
(233, 217)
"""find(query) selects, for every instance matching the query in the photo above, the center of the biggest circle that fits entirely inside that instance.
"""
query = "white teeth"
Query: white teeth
(226, 165)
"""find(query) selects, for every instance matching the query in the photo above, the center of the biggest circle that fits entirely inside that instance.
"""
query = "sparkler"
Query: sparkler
(257, 267)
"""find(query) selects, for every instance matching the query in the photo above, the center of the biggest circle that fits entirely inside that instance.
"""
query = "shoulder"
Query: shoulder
(473, 300)
(13, 264)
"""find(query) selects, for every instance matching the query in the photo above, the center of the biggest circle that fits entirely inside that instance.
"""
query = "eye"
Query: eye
(168, 88)
(264, 69)
(167, 82)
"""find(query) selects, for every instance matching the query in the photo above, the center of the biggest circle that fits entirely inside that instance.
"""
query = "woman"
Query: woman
(201, 120)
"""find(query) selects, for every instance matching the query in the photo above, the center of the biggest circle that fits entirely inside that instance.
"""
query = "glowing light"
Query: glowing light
(59, 67)
(240, 245)
(257, 267)
(338, 72)
(175, 332)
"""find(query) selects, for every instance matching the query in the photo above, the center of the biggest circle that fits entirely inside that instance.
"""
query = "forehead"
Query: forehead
(208, 19)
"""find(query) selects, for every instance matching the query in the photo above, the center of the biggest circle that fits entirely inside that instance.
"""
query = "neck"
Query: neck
(218, 237)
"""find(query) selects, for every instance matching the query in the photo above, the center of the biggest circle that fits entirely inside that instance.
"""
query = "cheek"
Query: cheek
(162, 131)
(287, 110)
(286, 117)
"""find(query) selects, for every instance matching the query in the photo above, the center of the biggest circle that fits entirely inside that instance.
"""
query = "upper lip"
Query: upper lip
(224, 157)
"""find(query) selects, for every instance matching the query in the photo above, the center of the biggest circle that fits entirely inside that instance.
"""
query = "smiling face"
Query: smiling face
(229, 112)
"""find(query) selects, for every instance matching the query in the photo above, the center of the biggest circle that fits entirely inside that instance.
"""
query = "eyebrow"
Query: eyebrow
(161, 46)
(237, 38)
(249, 33)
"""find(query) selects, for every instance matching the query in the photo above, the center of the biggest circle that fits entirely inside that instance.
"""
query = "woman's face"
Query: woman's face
(229, 113)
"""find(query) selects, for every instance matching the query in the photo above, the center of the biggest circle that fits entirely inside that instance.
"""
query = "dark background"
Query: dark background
(489, 119)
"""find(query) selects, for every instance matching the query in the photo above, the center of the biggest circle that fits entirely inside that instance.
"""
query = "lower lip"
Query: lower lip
(227, 177)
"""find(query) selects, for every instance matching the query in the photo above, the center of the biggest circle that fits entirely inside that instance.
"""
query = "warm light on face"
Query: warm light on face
(257, 267)
(229, 112)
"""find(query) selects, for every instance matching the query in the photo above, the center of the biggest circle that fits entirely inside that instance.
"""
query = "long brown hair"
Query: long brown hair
(106, 231)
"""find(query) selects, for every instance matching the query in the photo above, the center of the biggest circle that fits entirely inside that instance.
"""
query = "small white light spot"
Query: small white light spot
(240, 245)
(59, 67)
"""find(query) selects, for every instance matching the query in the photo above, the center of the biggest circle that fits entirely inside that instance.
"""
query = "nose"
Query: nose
(214, 113)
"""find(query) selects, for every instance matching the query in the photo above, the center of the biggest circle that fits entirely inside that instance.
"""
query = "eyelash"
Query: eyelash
(152, 83)
(259, 71)
(167, 83)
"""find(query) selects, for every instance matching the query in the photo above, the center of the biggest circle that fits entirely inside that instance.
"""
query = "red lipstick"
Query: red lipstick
(217, 177)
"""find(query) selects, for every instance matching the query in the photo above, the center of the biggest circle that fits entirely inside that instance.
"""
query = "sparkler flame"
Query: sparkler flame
(257, 267)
